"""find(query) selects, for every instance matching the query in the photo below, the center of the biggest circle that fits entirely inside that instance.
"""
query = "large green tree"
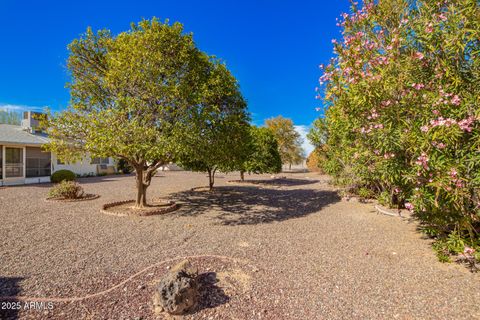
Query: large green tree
(263, 155)
(218, 133)
(289, 140)
(132, 96)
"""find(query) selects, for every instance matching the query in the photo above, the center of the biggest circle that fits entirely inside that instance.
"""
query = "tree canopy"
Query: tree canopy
(134, 96)
(263, 156)
(289, 140)
(218, 133)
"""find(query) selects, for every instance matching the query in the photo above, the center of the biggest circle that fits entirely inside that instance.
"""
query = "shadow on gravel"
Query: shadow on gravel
(246, 205)
(210, 295)
(283, 182)
(9, 286)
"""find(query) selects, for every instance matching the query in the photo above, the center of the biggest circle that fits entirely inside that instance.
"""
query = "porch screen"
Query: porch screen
(13, 162)
(38, 163)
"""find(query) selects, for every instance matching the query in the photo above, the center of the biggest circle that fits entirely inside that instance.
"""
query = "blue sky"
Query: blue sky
(272, 47)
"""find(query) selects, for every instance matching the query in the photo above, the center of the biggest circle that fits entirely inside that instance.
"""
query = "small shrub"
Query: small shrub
(62, 175)
(385, 199)
(365, 193)
(66, 190)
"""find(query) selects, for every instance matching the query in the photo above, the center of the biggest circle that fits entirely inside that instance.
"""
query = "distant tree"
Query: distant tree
(315, 160)
(218, 137)
(132, 96)
(10, 117)
(263, 154)
(318, 134)
(289, 140)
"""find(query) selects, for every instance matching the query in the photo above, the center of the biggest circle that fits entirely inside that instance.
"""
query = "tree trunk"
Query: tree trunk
(242, 175)
(141, 189)
(211, 178)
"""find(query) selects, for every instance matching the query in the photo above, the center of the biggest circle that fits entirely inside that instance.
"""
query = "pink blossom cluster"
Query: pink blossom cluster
(373, 115)
(418, 86)
(390, 155)
(439, 145)
(423, 161)
(419, 55)
(465, 124)
(429, 28)
(455, 179)
(448, 98)
(409, 206)
(371, 127)
(356, 16)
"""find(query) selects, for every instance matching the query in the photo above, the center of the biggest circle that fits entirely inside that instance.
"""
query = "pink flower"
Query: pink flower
(418, 86)
(466, 124)
(424, 129)
(453, 173)
(409, 206)
(429, 28)
(419, 55)
(456, 100)
(468, 250)
(423, 161)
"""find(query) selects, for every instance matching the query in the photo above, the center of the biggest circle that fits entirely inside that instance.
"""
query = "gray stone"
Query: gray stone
(177, 292)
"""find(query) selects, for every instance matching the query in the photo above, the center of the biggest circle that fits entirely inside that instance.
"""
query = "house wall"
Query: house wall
(83, 167)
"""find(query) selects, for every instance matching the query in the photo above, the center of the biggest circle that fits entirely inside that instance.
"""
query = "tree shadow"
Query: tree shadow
(9, 287)
(210, 295)
(248, 205)
(282, 182)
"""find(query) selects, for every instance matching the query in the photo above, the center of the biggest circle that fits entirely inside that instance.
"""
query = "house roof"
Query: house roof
(12, 134)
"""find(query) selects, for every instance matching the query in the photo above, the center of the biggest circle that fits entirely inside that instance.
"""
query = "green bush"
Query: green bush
(66, 190)
(62, 175)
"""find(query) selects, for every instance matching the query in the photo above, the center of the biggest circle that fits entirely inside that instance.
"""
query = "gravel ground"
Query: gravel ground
(274, 249)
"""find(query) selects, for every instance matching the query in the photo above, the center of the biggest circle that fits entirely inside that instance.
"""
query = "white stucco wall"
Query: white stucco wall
(83, 167)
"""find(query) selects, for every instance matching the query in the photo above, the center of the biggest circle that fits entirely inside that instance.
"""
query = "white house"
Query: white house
(23, 161)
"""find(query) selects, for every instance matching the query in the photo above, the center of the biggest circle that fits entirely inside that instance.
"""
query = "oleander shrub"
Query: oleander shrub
(403, 109)
(62, 175)
(66, 190)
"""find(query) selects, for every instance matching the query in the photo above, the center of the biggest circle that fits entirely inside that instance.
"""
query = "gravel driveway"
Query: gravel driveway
(281, 249)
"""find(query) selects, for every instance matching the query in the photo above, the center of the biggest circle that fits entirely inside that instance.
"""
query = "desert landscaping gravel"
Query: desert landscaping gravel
(277, 249)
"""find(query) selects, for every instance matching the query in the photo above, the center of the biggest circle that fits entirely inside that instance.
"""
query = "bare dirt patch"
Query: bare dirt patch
(299, 253)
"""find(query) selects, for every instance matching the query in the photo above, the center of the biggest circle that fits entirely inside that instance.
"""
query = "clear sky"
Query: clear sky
(272, 47)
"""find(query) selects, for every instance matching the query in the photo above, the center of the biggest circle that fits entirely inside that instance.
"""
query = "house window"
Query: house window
(100, 161)
(38, 163)
(13, 162)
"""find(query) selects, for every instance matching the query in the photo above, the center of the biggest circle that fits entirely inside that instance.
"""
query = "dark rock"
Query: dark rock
(177, 292)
